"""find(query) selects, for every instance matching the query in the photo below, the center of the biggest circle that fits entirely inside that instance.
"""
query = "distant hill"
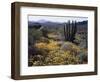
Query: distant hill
(45, 24)
(49, 24)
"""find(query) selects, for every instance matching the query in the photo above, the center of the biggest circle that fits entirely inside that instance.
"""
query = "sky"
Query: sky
(60, 19)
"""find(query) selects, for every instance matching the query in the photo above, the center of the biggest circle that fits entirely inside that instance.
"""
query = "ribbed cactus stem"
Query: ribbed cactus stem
(70, 30)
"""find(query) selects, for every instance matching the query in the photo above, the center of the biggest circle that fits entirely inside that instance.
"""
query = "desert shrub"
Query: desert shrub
(54, 58)
(59, 57)
(71, 47)
(83, 56)
(53, 54)
(77, 38)
(36, 60)
(52, 45)
(35, 34)
(30, 63)
(44, 40)
(81, 40)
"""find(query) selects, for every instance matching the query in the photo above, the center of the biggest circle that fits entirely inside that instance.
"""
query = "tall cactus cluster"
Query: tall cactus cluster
(70, 30)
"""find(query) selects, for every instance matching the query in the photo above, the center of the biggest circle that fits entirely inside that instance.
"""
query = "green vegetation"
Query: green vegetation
(53, 54)
(57, 46)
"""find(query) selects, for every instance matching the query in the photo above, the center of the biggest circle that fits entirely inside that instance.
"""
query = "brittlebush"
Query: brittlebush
(52, 54)
(52, 45)
(60, 57)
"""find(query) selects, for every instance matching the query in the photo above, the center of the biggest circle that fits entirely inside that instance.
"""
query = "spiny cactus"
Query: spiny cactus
(70, 30)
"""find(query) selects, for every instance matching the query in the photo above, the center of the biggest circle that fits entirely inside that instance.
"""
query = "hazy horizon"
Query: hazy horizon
(60, 19)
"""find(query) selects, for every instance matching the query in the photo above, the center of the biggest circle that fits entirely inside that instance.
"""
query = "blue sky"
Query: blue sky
(55, 18)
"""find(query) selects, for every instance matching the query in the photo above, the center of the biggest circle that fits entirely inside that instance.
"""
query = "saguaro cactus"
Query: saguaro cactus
(70, 30)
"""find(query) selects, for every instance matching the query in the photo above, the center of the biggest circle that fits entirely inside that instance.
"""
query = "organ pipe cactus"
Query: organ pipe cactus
(70, 30)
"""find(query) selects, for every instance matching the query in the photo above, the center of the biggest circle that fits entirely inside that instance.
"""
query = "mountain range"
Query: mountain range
(82, 25)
